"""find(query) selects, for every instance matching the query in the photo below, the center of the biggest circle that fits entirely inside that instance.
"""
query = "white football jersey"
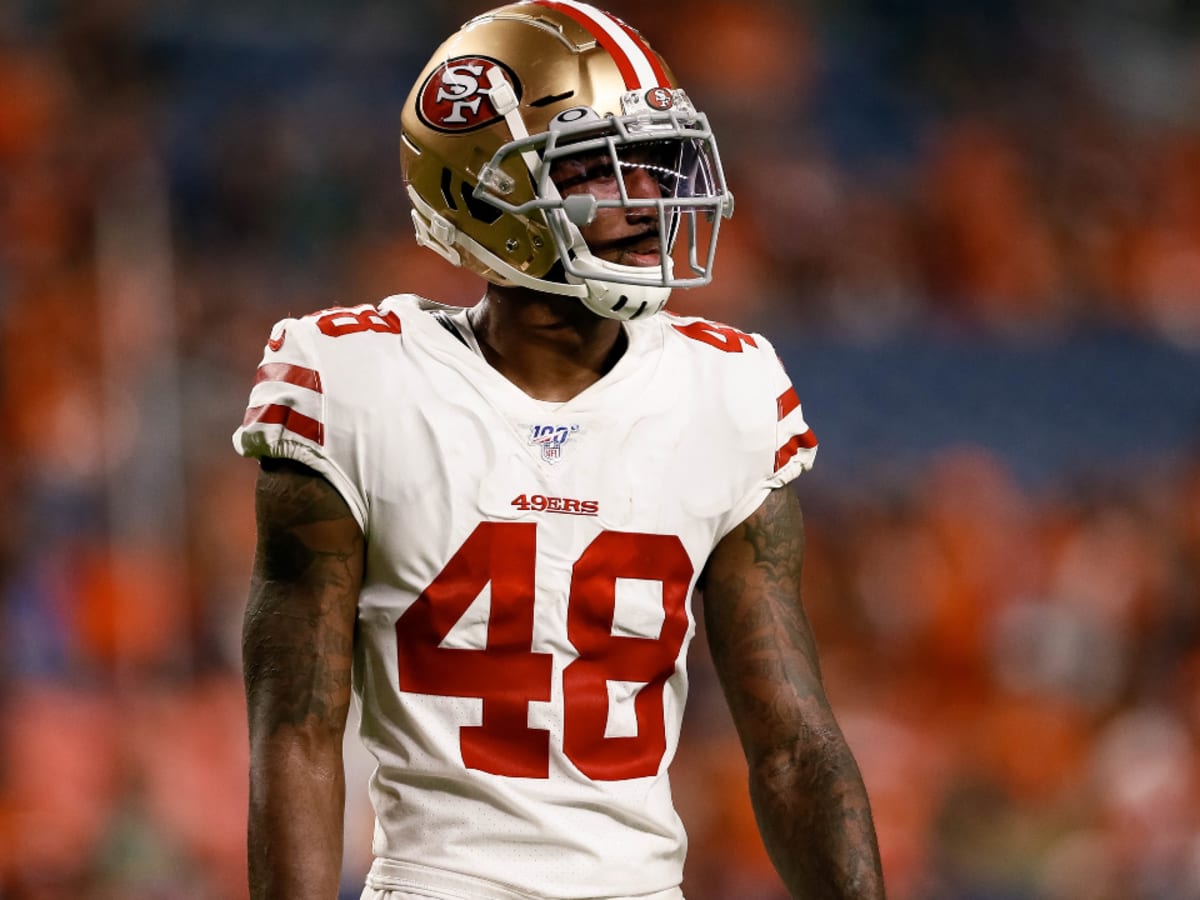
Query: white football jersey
(525, 616)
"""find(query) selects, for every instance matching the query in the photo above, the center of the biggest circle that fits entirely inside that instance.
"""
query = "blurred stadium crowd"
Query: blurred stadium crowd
(1015, 661)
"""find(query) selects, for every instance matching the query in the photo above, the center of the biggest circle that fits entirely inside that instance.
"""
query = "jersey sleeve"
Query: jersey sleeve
(784, 444)
(796, 445)
(289, 411)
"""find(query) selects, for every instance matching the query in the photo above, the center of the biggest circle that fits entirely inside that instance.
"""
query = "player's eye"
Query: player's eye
(572, 173)
(669, 179)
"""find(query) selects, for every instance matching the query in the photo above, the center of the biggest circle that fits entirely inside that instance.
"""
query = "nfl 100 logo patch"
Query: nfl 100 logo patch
(550, 439)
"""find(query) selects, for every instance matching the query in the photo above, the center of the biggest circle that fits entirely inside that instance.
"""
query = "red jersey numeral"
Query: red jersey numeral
(604, 656)
(507, 674)
(723, 337)
(340, 320)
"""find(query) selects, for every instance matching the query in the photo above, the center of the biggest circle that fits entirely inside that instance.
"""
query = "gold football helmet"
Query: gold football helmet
(521, 89)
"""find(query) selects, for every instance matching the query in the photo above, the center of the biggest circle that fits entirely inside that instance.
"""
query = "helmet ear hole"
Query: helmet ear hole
(479, 209)
(447, 193)
(458, 195)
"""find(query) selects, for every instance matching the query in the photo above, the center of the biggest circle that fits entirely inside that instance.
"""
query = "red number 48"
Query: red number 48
(507, 674)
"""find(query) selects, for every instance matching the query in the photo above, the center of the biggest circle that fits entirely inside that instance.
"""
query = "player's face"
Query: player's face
(629, 237)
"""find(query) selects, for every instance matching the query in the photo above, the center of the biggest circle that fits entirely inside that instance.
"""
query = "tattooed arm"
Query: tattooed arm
(297, 642)
(805, 786)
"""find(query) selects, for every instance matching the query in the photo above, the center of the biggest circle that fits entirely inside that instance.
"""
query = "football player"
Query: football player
(486, 525)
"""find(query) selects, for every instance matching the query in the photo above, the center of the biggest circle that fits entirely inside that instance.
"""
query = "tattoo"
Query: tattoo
(298, 632)
(752, 601)
(805, 786)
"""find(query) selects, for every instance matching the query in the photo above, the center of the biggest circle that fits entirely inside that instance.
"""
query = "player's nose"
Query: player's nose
(641, 184)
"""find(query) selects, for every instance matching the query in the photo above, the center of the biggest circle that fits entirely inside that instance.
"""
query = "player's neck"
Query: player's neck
(550, 347)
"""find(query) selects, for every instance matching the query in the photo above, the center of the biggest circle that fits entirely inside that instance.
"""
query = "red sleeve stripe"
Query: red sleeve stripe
(787, 402)
(637, 63)
(295, 422)
(297, 375)
(784, 454)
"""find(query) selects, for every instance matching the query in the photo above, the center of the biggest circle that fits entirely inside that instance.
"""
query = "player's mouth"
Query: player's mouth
(641, 249)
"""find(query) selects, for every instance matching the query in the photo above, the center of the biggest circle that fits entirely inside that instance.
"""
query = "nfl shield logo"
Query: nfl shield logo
(550, 438)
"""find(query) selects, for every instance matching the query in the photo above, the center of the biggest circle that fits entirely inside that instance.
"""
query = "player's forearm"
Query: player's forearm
(815, 819)
(297, 799)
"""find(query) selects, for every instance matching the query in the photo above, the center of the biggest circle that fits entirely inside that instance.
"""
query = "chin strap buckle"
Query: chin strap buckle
(434, 230)
(500, 92)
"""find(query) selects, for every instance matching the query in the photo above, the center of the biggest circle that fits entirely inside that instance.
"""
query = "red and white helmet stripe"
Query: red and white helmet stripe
(637, 63)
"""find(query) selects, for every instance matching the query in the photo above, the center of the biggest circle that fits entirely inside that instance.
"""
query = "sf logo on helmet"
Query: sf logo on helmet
(659, 98)
(455, 96)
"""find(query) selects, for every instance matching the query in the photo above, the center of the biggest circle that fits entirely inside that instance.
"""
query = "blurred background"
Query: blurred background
(972, 230)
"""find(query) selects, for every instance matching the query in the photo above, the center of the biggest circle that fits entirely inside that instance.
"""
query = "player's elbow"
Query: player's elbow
(310, 750)
(814, 758)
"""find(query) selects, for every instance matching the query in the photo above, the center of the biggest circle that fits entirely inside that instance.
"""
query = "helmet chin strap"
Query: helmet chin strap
(611, 299)
(436, 232)
(605, 298)
(624, 301)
